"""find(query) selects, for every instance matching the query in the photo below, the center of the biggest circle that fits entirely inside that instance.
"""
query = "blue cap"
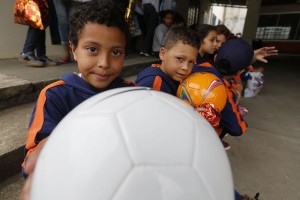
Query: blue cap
(237, 52)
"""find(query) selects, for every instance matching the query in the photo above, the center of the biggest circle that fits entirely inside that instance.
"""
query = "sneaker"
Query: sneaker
(247, 197)
(226, 145)
(30, 59)
(64, 60)
(47, 61)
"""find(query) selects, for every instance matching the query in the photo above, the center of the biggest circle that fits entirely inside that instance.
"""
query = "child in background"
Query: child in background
(232, 58)
(161, 30)
(208, 43)
(98, 36)
(178, 55)
(224, 34)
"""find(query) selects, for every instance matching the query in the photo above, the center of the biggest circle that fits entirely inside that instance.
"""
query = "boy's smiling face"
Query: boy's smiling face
(100, 54)
(178, 61)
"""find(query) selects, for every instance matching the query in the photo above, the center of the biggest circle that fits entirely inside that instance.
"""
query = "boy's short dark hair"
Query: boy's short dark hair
(104, 12)
(183, 34)
(233, 55)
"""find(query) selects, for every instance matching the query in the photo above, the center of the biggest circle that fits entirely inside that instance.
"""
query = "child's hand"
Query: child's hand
(211, 114)
(29, 169)
(200, 109)
(260, 54)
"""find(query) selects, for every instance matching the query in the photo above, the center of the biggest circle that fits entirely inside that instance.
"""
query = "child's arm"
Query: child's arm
(160, 35)
(156, 83)
(231, 120)
(29, 169)
(47, 113)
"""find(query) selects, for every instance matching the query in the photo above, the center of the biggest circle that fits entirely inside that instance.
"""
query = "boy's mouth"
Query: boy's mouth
(102, 76)
(182, 76)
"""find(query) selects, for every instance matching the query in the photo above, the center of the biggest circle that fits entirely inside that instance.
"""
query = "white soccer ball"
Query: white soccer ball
(133, 144)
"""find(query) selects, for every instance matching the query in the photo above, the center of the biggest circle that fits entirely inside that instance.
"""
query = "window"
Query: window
(279, 27)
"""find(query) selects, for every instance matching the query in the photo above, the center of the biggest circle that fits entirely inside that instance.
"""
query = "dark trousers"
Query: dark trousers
(35, 41)
(150, 22)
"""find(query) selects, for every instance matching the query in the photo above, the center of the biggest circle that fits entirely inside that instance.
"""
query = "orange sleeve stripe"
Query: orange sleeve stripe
(205, 64)
(38, 120)
(155, 65)
(157, 83)
(235, 110)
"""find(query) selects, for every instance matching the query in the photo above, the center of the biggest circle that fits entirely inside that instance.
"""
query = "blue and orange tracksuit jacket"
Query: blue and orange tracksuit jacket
(55, 102)
(155, 78)
(231, 120)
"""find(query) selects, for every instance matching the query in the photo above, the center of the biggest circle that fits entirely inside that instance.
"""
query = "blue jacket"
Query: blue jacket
(231, 120)
(56, 101)
(155, 78)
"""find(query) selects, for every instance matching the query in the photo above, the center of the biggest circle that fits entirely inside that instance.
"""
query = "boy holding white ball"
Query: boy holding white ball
(98, 37)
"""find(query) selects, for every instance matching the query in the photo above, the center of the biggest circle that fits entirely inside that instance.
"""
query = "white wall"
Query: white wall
(232, 17)
(12, 36)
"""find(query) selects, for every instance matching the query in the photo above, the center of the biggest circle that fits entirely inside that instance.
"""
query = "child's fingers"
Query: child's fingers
(262, 60)
(201, 109)
(25, 194)
(30, 162)
(32, 159)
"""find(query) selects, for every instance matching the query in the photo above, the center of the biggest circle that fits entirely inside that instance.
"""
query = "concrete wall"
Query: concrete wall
(205, 11)
(251, 20)
(12, 36)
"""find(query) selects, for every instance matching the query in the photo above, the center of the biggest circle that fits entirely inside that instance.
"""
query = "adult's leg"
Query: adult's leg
(31, 40)
(62, 12)
(151, 21)
(28, 55)
(41, 49)
(40, 42)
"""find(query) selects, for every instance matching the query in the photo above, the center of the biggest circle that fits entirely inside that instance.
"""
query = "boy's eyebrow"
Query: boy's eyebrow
(98, 44)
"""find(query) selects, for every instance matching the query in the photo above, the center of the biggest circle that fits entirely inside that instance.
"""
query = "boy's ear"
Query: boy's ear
(162, 52)
(73, 49)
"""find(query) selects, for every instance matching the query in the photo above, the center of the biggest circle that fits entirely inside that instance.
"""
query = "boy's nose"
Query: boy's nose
(104, 61)
(185, 66)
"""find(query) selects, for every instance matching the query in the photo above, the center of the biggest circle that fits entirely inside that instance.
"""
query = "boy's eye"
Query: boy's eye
(179, 59)
(92, 49)
(116, 52)
(192, 62)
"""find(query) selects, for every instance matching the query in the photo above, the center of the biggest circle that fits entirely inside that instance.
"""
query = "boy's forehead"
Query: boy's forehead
(100, 32)
(179, 45)
(183, 48)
